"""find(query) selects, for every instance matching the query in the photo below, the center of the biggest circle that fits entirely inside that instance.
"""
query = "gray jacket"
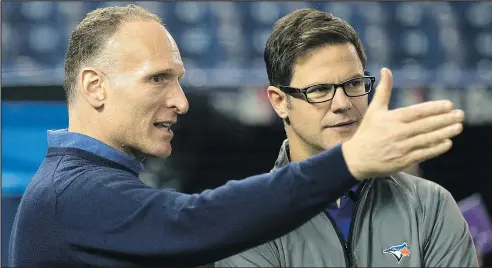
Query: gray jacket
(399, 221)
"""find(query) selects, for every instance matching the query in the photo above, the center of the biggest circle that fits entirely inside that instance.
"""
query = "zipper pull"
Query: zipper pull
(352, 259)
(350, 255)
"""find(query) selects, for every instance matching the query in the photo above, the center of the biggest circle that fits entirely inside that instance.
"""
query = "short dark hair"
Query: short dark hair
(91, 35)
(295, 34)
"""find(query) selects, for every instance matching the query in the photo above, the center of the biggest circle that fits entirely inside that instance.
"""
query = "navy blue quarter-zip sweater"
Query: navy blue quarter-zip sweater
(87, 206)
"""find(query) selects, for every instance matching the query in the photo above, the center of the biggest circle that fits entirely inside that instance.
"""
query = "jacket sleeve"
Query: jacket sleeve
(266, 255)
(450, 243)
(106, 215)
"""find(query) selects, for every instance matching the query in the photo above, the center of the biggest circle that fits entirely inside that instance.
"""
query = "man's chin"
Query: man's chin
(162, 152)
(331, 142)
(162, 155)
(154, 153)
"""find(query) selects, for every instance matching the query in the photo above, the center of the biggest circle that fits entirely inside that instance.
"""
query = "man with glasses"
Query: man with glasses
(319, 87)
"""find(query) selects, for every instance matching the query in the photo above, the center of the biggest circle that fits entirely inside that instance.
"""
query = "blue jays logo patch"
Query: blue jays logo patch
(398, 251)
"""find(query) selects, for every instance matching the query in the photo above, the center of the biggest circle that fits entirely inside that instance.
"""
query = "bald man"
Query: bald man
(86, 204)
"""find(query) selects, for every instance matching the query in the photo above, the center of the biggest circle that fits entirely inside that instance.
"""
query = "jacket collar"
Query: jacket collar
(283, 159)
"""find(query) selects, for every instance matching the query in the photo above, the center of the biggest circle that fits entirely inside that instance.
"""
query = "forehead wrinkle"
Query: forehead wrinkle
(321, 66)
(133, 57)
(315, 63)
(123, 54)
(158, 57)
(137, 53)
(336, 73)
(174, 47)
(314, 59)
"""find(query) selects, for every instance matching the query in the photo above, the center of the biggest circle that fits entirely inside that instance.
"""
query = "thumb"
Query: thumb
(382, 95)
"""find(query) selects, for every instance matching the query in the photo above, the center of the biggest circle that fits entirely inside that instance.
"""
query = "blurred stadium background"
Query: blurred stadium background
(436, 50)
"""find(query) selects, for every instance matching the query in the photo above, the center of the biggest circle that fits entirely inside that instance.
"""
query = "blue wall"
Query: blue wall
(24, 144)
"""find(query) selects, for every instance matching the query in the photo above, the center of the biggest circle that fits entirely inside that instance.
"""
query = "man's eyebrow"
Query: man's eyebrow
(166, 71)
(354, 76)
(344, 80)
(161, 71)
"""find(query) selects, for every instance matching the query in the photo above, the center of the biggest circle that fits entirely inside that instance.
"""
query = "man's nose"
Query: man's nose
(340, 102)
(178, 101)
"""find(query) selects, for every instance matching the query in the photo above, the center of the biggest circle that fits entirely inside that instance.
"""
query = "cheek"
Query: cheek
(131, 114)
(308, 116)
(136, 104)
(360, 105)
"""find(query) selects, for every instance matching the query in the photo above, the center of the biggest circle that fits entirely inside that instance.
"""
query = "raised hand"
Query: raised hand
(388, 141)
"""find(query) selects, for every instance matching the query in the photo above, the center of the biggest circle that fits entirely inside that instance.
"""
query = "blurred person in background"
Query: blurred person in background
(319, 87)
(86, 204)
(480, 259)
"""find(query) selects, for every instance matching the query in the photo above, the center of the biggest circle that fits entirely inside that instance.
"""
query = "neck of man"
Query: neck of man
(86, 127)
(300, 151)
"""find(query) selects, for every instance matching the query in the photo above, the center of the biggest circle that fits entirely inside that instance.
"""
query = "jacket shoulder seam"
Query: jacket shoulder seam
(413, 201)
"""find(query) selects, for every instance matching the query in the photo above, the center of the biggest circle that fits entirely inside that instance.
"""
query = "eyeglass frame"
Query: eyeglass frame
(293, 90)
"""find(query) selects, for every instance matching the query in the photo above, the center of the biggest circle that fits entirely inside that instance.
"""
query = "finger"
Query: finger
(429, 152)
(435, 122)
(422, 110)
(382, 95)
(434, 137)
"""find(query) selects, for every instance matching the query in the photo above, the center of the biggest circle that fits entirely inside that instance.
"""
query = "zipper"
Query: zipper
(347, 245)
(360, 196)
(344, 244)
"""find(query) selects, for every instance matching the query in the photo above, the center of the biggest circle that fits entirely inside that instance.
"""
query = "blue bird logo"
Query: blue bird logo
(399, 251)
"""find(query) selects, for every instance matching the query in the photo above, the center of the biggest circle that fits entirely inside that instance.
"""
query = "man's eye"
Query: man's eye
(320, 88)
(355, 83)
(158, 79)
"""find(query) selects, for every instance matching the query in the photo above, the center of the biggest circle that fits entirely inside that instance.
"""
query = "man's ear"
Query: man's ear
(92, 89)
(279, 101)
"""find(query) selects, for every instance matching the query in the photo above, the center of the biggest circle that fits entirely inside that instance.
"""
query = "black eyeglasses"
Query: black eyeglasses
(318, 93)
